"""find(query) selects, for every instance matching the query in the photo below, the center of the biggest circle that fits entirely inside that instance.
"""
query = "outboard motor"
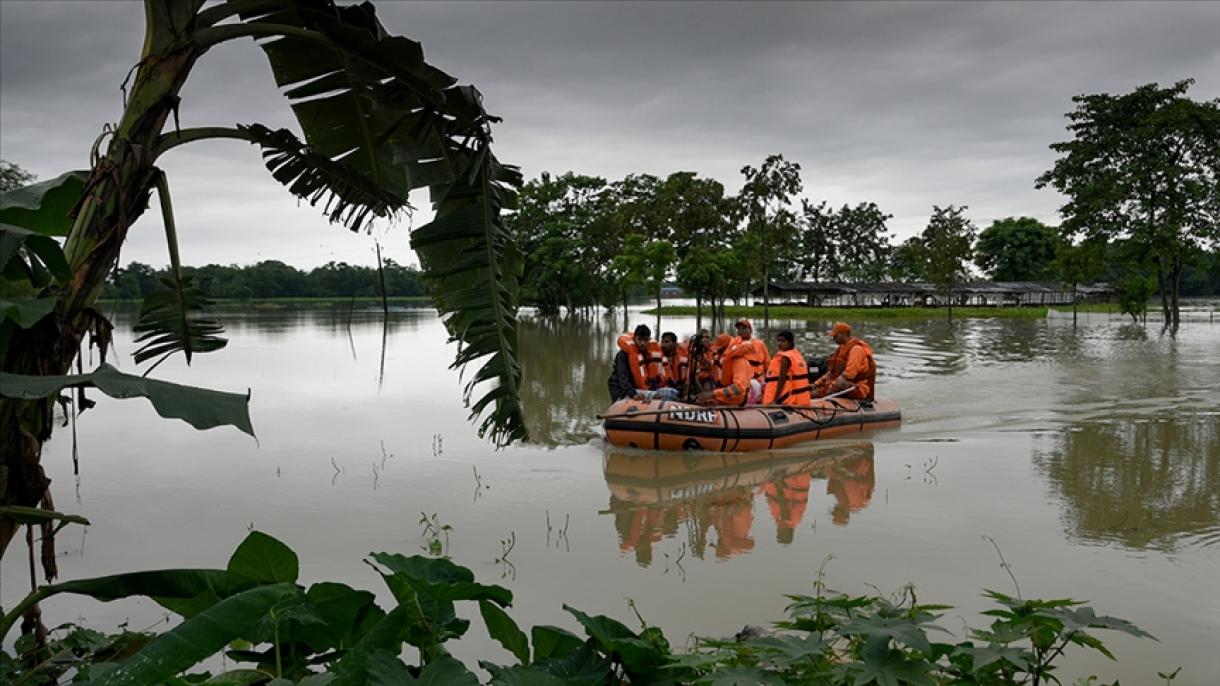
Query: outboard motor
(817, 366)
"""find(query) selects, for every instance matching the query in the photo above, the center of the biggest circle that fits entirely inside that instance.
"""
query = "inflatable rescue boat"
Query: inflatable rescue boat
(669, 425)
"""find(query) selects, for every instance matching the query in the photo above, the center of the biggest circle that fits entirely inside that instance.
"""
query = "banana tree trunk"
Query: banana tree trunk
(116, 194)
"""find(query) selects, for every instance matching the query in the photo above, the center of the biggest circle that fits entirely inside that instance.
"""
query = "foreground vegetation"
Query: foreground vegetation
(255, 613)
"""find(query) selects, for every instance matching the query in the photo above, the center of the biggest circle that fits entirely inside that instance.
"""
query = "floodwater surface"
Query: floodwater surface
(1089, 455)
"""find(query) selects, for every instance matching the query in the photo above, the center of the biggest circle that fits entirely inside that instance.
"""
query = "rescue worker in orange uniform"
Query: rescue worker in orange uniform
(787, 380)
(734, 377)
(851, 365)
(639, 367)
(754, 349)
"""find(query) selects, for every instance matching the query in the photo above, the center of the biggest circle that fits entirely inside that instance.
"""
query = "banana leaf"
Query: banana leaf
(200, 407)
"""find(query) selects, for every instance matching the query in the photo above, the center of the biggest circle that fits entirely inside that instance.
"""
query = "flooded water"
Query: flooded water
(1091, 456)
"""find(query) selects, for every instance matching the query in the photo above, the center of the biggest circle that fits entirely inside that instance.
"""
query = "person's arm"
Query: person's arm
(857, 362)
(784, 365)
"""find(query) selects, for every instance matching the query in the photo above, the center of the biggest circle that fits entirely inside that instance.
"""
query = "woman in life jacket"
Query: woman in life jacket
(787, 380)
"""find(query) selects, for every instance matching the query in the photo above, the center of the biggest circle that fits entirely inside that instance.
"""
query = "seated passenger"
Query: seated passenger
(787, 381)
(676, 360)
(851, 368)
(754, 348)
(735, 377)
(639, 368)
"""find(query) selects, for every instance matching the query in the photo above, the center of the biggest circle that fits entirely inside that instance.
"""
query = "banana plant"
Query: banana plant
(378, 121)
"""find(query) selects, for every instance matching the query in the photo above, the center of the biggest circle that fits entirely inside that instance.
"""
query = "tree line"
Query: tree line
(271, 279)
(1142, 214)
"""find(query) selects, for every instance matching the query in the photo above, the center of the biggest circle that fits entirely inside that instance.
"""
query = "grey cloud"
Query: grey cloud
(904, 104)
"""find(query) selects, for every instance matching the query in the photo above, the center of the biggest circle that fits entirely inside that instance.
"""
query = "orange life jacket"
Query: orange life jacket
(837, 364)
(797, 390)
(647, 371)
(755, 350)
(677, 366)
(735, 381)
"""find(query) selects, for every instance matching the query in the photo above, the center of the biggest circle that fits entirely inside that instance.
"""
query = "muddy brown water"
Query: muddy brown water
(1090, 455)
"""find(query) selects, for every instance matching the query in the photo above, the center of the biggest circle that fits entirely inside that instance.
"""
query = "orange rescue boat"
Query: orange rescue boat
(670, 425)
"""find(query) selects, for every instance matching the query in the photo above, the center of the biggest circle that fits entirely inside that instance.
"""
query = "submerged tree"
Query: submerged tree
(1143, 165)
(764, 199)
(947, 243)
(378, 122)
(1017, 249)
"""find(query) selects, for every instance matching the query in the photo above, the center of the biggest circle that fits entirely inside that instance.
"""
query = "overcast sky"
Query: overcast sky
(903, 104)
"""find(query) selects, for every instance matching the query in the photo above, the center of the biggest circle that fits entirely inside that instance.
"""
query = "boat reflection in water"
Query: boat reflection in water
(712, 495)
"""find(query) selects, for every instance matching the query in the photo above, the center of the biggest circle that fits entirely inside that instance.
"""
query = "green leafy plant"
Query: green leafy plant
(278, 631)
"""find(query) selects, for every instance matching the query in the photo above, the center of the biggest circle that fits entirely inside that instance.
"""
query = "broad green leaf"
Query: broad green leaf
(502, 628)
(200, 407)
(44, 207)
(344, 612)
(237, 677)
(34, 515)
(1078, 618)
(584, 667)
(601, 628)
(196, 638)
(521, 675)
(900, 629)
(439, 579)
(788, 650)
(263, 559)
(385, 669)
(26, 313)
(445, 671)
(385, 636)
(552, 641)
(45, 249)
(985, 656)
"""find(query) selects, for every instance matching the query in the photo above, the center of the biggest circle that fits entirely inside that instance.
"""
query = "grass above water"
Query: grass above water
(849, 313)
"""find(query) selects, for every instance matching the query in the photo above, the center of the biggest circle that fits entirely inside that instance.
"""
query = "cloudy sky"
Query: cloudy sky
(903, 104)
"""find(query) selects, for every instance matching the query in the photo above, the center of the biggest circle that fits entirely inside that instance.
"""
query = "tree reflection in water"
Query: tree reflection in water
(653, 495)
(1147, 484)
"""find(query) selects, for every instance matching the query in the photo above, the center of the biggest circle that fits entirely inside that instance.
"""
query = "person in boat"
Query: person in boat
(754, 349)
(639, 369)
(676, 357)
(787, 380)
(851, 370)
(706, 363)
(735, 377)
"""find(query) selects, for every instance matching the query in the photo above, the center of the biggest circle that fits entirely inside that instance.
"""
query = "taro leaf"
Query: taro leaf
(640, 658)
(385, 636)
(600, 627)
(34, 515)
(200, 407)
(196, 638)
(520, 675)
(445, 671)
(44, 207)
(584, 667)
(502, 628)
(263, 559)
(26, 312)
(439, 579)
(552, 641)
(890, 668)
(343, 611)
(169, 322)
(385, 669)
(237, 677)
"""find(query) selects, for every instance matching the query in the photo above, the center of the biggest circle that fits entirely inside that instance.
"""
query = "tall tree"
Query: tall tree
(1017, 249)
(1076, 263)
(659, 256)
(948, 242)
(864, 242)
(767, 191)
(909, 260)
(1144, 165)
